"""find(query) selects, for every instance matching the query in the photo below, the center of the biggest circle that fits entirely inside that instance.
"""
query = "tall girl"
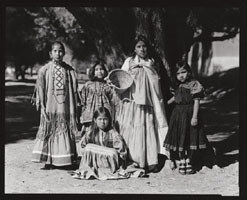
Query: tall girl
(185, 134)
(56, 98)
(142, 120)
(94, 94)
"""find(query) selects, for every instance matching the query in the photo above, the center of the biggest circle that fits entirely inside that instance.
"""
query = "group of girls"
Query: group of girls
(139, 113)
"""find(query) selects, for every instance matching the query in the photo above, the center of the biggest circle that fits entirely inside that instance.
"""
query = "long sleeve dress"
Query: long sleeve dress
(56, 93)
(142, 119)
(181, 135)
(95, 94)
(102, 155)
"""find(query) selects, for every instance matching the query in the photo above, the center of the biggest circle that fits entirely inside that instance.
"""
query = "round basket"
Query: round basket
(120, 79)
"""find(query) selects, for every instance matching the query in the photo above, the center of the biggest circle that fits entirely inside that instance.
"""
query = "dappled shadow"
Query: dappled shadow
(21, 121)
(16, 90)
(21, 81)
(221, 115)
(224, 80)
(227, 150)
(21, 118)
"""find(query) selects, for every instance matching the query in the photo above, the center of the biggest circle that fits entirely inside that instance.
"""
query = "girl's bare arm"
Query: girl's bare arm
(171, 100)
(194, 120)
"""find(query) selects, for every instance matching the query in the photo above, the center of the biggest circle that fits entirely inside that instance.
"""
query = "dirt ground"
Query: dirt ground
(23, 176)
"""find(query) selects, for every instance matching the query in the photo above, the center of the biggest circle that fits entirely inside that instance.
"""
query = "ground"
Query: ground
(220, 115)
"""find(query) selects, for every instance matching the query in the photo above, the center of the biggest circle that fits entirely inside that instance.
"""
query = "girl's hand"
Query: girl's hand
(81, 120)
(108, 81)
(171, 100)
(194, 121)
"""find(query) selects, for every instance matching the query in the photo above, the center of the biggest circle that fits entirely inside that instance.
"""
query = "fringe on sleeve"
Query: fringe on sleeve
(39, 91)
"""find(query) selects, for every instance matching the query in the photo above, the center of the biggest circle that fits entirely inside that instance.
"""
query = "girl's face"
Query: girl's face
(99, 72)
(141, 49)
(57, 52)
(182, 75)
(102, 121)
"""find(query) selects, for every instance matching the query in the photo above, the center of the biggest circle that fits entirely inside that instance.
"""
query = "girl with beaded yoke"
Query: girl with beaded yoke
(94, 94)
(185, 134)
(141, 118)
(56, 97)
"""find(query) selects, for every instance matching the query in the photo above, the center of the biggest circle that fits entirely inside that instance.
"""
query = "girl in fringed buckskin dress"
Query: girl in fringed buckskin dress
(56, 98)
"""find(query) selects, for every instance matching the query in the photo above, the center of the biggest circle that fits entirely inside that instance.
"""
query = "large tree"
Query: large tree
(109, 32)
(173, 31)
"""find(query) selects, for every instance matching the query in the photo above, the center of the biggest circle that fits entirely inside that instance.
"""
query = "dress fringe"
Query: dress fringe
(58, 123)
(55, 140)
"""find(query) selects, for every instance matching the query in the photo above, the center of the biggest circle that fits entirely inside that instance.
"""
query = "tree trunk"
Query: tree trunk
(195, 59)
(207, 54)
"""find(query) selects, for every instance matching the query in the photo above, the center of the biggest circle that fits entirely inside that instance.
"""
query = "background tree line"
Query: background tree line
(108, 32)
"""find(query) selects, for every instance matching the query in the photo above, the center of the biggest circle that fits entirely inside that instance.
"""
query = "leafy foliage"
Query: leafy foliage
(109, 31)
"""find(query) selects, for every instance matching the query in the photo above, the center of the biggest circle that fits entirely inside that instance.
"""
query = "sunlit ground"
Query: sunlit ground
(220, 111)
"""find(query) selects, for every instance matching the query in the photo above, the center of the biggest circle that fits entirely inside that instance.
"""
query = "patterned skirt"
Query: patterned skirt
(102, 163)
(136, 125)
(98, 162)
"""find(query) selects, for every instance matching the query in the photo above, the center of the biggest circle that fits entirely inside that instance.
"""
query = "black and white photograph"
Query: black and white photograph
(122, 100)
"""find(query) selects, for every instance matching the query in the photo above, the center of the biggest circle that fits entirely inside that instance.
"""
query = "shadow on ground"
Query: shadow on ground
(21, 81)
(227, 150)
(21, 118)
(221, 115)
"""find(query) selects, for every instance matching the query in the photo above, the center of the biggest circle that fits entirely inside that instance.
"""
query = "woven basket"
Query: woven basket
(120, 79)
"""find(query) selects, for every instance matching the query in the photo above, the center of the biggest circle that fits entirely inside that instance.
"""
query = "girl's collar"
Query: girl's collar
(57, 62)
(186, 84)
(99, 80)
(137, 59)
(102, 131)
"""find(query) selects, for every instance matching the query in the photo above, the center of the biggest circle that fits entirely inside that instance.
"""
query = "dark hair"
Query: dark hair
(144, 39)
(58, 43)
(97, 112)
(92, 70)
(184, 65)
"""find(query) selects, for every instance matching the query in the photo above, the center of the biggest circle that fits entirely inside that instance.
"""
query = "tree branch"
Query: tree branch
(226, 36)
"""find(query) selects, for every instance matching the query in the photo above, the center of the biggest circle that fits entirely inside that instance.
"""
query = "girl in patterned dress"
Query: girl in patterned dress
(141, 118)
(185, 133)
(56, 97)
(103, 149)
(94, 94)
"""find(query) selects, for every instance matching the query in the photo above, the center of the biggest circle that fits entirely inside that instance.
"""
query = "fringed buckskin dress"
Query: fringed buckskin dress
(56, 92)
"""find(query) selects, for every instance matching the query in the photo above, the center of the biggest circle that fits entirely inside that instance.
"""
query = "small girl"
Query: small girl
(185, 133)
(56, 97)
(94, 94)
(103, 149)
